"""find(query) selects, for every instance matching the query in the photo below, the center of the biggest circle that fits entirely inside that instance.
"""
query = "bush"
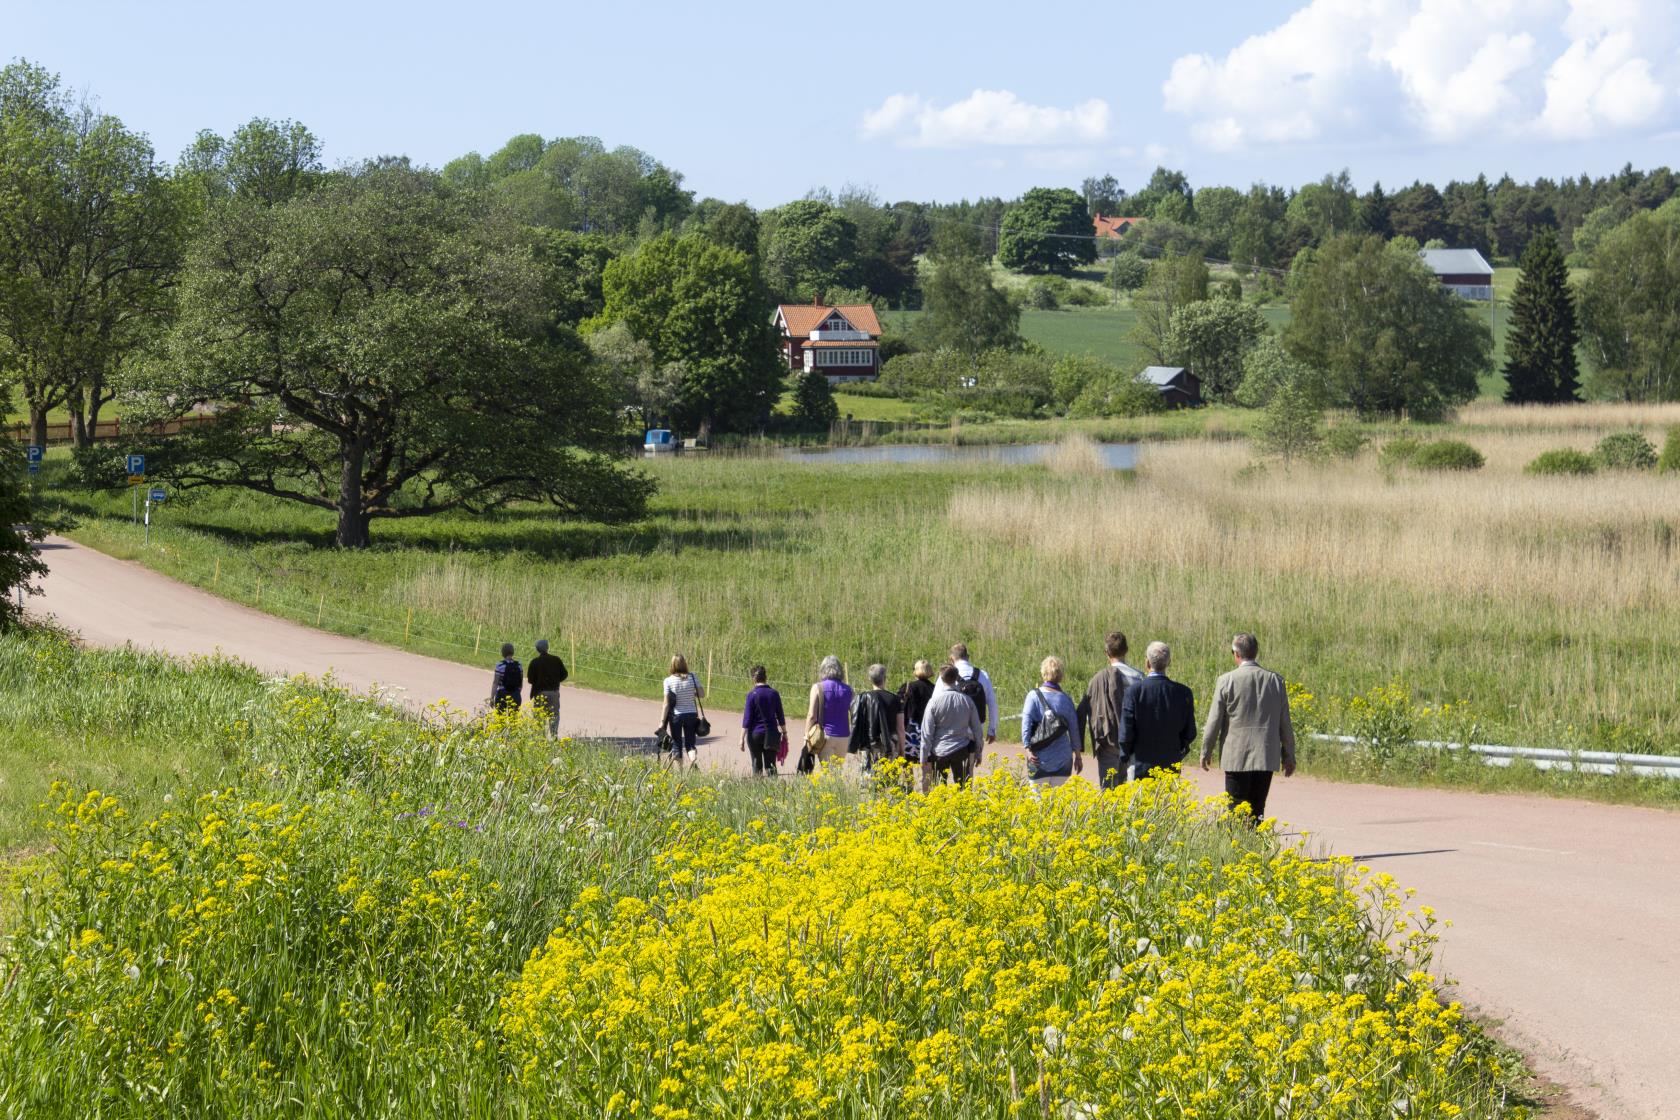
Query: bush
(1398, 451)
(1562, 460)
(1344, 443)
(1625, 451)
(1127, 272)
(1041, 295)
(1083, 295)
(1447, 455)
(1669, 460)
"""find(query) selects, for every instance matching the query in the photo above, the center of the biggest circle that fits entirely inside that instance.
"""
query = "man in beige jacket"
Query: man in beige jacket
(1249, 722)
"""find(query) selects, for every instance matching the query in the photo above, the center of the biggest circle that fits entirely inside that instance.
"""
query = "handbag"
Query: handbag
(807, 761)
(702, 728)
(815, 738)
(1049, 729)
(782, 751)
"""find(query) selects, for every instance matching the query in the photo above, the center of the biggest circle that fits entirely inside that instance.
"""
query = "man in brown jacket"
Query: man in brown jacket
(1249, 720)
(1100, 710)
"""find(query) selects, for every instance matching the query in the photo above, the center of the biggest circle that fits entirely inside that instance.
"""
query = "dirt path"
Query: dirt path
(1566, 915)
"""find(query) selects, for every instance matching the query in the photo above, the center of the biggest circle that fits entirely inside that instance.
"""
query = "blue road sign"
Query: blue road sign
(157, 494)
(35, 453)
(136, 464)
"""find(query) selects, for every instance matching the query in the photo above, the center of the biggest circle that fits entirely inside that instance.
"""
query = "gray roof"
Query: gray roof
(1161, 375)
(1456, 262)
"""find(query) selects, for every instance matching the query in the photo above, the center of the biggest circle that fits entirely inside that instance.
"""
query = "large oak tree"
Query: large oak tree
(380, 347)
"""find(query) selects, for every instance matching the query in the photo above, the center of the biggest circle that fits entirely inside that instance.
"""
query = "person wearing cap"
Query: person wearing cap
(506, 682)
(546, 674)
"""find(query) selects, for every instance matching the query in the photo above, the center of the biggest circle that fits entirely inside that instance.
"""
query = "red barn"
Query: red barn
(843, 342)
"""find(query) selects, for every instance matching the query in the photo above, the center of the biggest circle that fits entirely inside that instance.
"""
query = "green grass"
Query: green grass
(873, 408)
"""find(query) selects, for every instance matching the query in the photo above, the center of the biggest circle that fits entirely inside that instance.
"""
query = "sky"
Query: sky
(926, 101)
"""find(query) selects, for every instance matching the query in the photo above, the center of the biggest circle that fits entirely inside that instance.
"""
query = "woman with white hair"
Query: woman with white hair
(1050, 729)
(829, 710)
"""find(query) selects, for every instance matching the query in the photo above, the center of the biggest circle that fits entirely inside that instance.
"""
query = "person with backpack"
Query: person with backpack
(830, 705)
(1050, 729)
(507, 682)
(683, 693)
(763, 726)
(877, 721)
(913, 697)
(546, 674)
(950, 728)
(973, 683)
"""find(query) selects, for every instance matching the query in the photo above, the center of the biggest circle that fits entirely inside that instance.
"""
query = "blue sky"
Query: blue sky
(924, 101)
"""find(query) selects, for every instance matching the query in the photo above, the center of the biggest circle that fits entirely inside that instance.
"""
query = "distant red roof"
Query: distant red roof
(803, 318)
(1112, 227)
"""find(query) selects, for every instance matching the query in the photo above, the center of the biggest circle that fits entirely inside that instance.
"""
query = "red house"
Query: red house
(841, 342)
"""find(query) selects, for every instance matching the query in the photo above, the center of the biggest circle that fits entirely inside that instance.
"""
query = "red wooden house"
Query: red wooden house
(842, 342)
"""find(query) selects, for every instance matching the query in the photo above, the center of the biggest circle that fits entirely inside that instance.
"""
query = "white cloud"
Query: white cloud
(1436, 70)
(985, 118)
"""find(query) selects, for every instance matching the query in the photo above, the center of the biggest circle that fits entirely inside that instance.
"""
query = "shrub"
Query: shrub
(1562, 460)
(1447, 455)
(1398, 451)
(1344, 443)
(1083, 295)
(1041, 295)
(1127, 272)
(1625, 451)
(1669, 460)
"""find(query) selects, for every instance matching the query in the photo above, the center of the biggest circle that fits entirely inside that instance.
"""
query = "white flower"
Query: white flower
(538, 808)
(1052, 1040)
(132, 972)
(1194, 941)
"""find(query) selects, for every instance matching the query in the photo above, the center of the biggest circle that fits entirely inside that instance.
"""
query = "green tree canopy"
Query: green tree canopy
(1049, 230)
(1174, 281)
(90, 240)
(810, 248)
(963, 311)
(702, 305)
(1540, 365)
(1389, 338)
(1630, 308)
(378, 347)
(1212, 337)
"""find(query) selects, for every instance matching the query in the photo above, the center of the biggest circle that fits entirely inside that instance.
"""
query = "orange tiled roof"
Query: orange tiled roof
(1112, 227)
(803, 318)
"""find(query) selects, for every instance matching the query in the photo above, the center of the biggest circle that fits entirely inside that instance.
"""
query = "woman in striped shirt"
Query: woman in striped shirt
(683, 692)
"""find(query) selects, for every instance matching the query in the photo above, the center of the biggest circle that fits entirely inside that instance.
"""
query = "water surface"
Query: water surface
(1118, 456)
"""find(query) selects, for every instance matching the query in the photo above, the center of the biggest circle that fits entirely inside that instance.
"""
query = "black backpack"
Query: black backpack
(510, 678)
(975, 691)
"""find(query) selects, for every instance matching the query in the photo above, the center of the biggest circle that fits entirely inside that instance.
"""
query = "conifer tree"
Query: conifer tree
(1540, 366)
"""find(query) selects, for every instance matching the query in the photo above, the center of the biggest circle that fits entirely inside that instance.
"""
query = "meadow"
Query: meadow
(1508, 608)
(336, 908)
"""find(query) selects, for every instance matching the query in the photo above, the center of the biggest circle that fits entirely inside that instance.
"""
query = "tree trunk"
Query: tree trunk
(352, 517)
(37, 426)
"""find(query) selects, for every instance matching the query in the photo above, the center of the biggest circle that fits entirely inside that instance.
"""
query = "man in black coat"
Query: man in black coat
(1157, 718)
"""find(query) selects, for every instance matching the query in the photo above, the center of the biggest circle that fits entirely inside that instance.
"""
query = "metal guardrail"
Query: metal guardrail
(1549, 758)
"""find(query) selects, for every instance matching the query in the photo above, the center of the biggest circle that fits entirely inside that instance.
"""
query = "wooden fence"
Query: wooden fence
(111, 429)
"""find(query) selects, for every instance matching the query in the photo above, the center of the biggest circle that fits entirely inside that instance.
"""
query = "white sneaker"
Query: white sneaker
(694, 758)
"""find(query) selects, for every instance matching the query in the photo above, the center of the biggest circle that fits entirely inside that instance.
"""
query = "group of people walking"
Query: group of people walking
(941, 721)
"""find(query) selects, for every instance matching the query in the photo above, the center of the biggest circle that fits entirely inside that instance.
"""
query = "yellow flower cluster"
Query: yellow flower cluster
(996, 951)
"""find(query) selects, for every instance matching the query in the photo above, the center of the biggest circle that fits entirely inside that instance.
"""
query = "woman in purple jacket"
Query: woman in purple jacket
(763, 726)
(831, 705)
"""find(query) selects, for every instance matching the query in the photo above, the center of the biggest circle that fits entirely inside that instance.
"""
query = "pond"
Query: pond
(1118, 456)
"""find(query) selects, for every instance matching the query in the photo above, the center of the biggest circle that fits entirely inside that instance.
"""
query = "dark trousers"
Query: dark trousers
(955, 767)
(1111, 767)
(684, 726)
(1251, 786)
(1137, 770)
(761, 748)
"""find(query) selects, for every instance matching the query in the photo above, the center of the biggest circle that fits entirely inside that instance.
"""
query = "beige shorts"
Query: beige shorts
(834, 751)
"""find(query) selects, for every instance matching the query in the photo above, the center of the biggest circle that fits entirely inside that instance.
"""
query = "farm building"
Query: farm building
(1465, 271)
(1112, 227)
(1178, 386)
(842, 342)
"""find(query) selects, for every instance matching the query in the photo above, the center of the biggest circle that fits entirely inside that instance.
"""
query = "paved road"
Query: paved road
(1566, 914)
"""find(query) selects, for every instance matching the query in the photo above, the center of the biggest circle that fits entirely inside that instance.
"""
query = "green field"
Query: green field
(1353, 578)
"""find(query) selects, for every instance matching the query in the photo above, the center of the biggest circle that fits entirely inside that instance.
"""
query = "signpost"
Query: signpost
(36, 451)
(136, 475)
(155, 494)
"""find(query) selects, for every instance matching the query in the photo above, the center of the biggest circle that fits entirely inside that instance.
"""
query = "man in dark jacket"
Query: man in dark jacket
(546, 674)
(507, 682)
(1099, 712)
(1157, 718)
(877, 721)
